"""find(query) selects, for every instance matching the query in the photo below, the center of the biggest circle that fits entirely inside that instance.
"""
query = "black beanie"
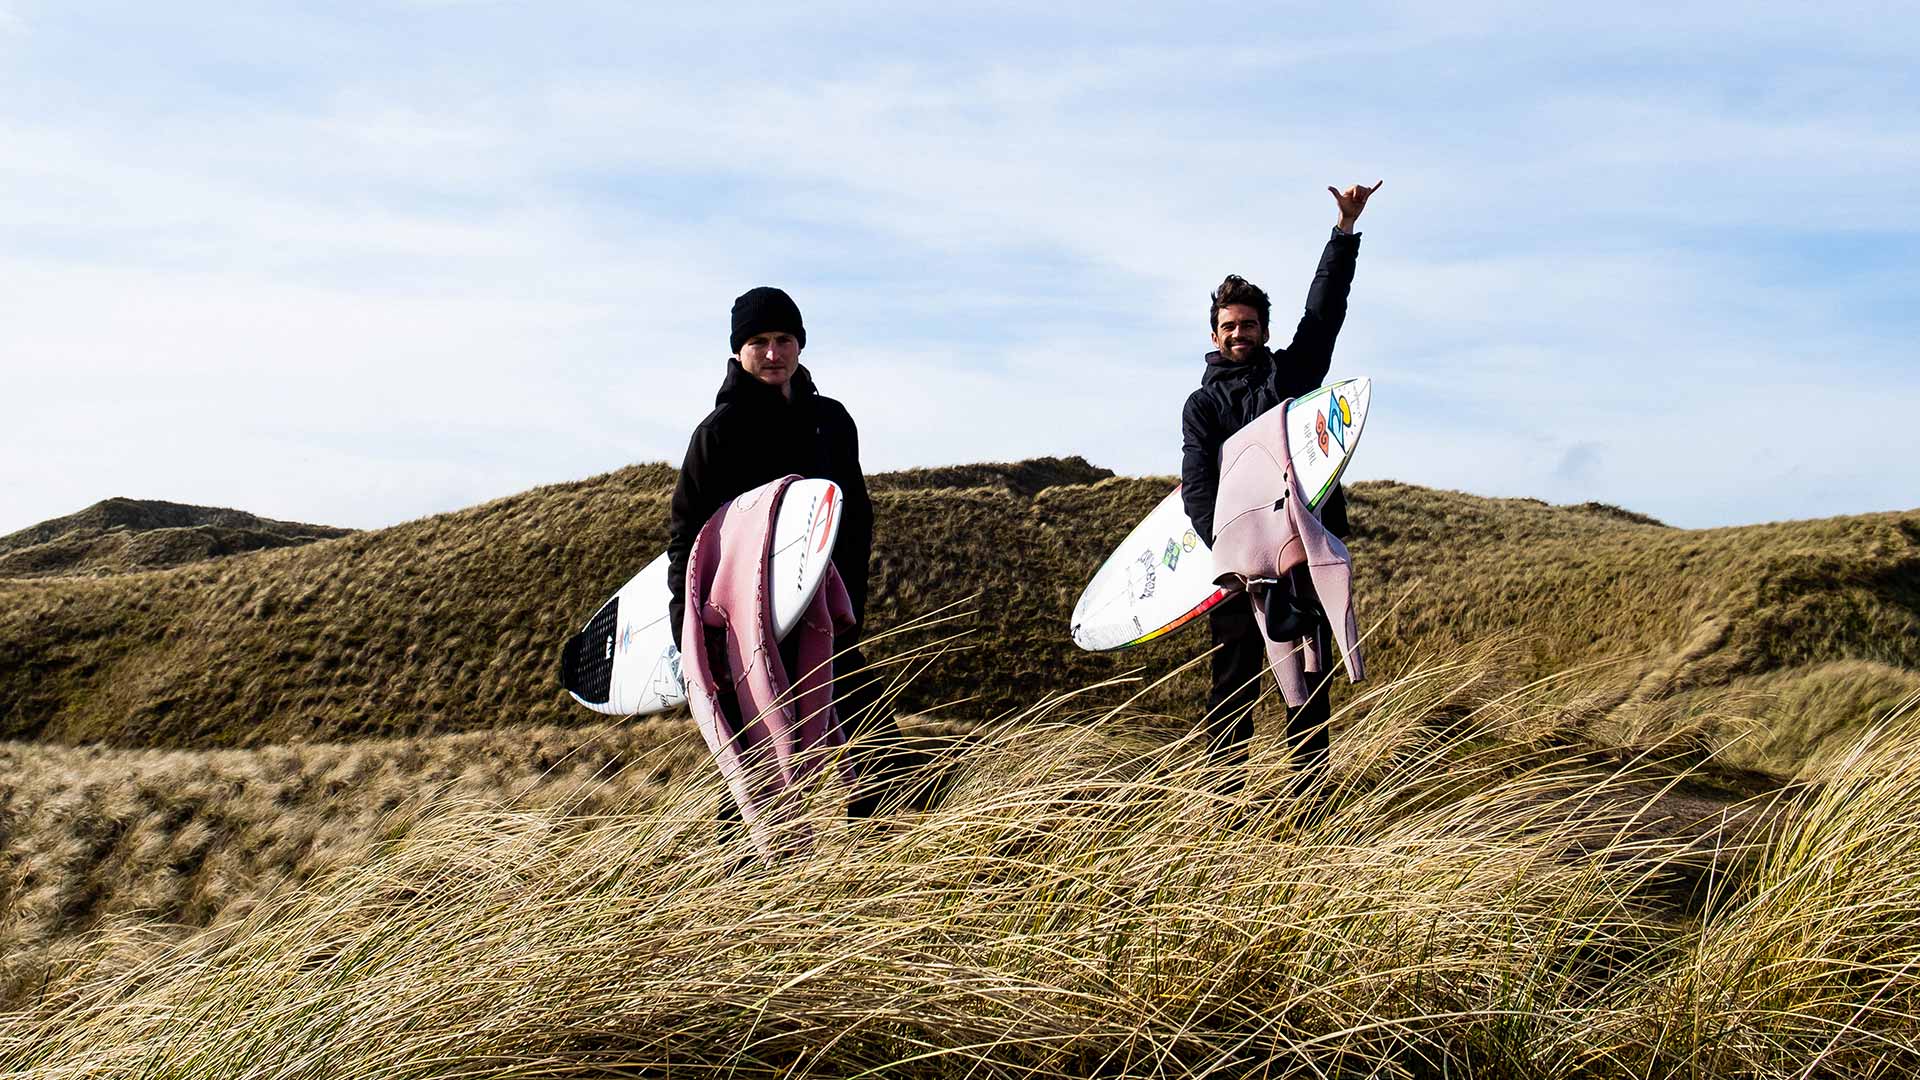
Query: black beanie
(762, 310)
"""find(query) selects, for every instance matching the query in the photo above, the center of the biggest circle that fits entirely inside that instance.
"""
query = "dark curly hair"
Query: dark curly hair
(1238, 290)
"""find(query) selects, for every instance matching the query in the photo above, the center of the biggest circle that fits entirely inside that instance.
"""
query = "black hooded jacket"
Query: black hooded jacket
(1231, 395)
(755, 434)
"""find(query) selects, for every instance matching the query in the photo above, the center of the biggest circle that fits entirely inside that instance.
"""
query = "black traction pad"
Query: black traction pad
(586, 660)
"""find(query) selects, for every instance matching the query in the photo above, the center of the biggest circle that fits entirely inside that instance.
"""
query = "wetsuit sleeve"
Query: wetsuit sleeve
(854, 549)
(693, 504)
(1200, 440)
(1311, 354)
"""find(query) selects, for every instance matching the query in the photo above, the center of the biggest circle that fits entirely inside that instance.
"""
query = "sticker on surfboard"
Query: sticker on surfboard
(1154, 582)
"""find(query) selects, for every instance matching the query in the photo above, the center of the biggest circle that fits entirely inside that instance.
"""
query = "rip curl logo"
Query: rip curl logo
(1320, 430)
(823, 516)
(820, 516)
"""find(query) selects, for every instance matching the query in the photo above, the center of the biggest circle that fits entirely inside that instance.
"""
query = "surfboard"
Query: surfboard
(1161, 576)
(623, 661)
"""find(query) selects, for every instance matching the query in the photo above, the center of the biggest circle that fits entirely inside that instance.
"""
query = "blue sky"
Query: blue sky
(355, 264)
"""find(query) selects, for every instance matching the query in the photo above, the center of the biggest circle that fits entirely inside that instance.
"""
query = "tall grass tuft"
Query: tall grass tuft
(1459, 898)
(1811, 966)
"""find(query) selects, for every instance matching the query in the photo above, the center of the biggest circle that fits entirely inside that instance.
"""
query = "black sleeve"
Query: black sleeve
(854, 549)
(1200, 441)
(693, 504)
(1311, 354)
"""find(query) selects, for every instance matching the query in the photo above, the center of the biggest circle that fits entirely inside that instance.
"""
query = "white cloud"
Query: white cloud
(444, 274)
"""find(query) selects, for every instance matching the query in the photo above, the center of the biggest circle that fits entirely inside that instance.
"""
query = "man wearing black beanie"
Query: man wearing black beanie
(768, 421)
(763, 310)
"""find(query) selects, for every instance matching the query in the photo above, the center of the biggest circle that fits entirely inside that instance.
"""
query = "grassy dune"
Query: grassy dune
(1457, 901)
(157, 843)
(325, 811)
(122, 535)
(452, 623)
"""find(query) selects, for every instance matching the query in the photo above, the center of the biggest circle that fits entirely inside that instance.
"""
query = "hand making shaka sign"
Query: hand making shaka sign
(1352, 201)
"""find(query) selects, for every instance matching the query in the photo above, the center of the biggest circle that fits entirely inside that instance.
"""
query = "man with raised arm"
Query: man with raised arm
(1244, 378)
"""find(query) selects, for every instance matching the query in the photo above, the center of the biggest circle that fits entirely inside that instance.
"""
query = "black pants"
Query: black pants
(1239, 668)
(877, 756)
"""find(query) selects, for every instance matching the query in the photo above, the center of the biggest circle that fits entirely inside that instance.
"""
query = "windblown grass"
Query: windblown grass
(452, 623)
(1812, 966)
(165, 842)
(1461, 898)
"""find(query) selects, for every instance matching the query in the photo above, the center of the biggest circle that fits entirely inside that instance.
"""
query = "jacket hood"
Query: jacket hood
(741, 388)
(1220, 369)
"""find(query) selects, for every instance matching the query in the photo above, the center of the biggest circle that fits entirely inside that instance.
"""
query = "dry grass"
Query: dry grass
(1810, 966)
(426, 865)
(122, 535)
(164, 842)
(452, 622)
(1459, 901)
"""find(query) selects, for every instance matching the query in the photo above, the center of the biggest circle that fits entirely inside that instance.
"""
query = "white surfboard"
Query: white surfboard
(623, 662)
(1161, 576)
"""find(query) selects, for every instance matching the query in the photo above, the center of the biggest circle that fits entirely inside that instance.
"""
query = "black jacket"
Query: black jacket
(1232, 395)
(753, 435)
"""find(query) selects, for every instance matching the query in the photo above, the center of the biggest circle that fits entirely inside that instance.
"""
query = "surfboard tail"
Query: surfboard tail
(586, 660)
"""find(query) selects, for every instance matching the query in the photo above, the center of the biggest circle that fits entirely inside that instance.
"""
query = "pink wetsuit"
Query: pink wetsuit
(786, 729)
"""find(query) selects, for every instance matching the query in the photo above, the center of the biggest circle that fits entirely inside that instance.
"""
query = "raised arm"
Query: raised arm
(1311, 353)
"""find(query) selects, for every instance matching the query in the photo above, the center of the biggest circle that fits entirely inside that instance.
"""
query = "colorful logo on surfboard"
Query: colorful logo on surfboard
(1334, 421)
